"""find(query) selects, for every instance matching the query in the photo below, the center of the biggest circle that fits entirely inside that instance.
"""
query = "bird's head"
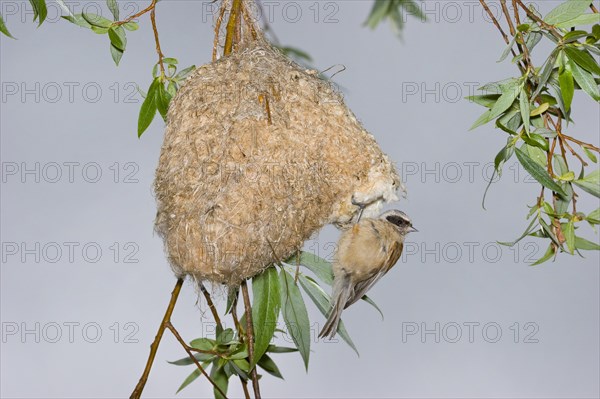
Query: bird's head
(400, 220)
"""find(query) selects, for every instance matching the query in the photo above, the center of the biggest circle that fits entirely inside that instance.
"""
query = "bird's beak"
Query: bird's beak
(412, 230)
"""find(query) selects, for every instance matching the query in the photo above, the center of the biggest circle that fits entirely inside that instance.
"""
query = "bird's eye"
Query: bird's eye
(398, 221)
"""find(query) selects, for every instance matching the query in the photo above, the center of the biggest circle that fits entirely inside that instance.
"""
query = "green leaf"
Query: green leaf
(163, 99)
(509, 94)
(547, 70)
(567, 87)
(546, 133)
(536, 153)
(116, 54)
(540, 110)
(569, 233)
(267, 364)
(131, 26)
(527, 231)
(96, 20)
(562, 204)
(585, 80)
(487, 100)
(148, 109)
(584, 19)
(39, 10)
(567, 11)
(280, 349)
(114, 8)
(594, 216)
(204, 344)
(560, 164)
(583, 59)
(524, 108)
(117, 37)
(266, 303)
(78, 20)
(64, 7)
(538, 172)
(189, 379)
(218, 375)
(507, 49)
(482, 120)
(319, 266)
(183, 74)
(378, 13)
(3, 28)
(186, 361)
(295, 315)
(590, 183)
(582, 243)
(372, 303)
(536, 140)
(574, 35)
(322, 301)
(590, 155)
(549, 254)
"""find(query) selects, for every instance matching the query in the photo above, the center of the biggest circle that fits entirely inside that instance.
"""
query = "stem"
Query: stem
(139, 14)
(137, 392)
(250, 336)
(594, 9)
(211, 305)
(158, 50)
(191, 355)
(238, 327)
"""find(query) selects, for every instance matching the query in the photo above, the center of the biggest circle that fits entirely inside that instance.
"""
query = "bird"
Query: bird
(365, 253)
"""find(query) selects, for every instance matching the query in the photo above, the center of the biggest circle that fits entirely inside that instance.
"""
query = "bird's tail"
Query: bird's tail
(341, 292)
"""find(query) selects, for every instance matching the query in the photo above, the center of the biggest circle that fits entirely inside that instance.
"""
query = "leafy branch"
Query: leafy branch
(533, 107)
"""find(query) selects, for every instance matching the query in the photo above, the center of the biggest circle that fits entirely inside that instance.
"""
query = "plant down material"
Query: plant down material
(258, 155)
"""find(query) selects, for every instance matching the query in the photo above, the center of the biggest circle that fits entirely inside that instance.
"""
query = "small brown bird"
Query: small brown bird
(365, 253)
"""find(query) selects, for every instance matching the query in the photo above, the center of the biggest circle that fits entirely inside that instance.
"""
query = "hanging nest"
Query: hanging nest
(258, 155)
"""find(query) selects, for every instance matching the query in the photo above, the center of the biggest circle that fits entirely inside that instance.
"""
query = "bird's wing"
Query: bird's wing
(361, 288)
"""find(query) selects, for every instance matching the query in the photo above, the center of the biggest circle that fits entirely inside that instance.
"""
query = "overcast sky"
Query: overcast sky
(84, 282)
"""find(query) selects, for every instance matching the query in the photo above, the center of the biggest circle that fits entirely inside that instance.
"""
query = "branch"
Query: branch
(191, 355)
(211, 305)
(218, 29)
(232, 27)
(158, 50)
(137, 392)
(250, 336)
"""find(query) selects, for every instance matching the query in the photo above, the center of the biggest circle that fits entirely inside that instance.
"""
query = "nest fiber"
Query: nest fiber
(258, 155)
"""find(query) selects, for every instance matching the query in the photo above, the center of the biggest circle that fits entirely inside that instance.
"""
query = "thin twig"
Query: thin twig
(191, 355)
(158, 50)
(582, 143)
(137, 392)
(139, 14)
(211, 305)
(541, 22)
(504, 36)
(250, 337)
(238, 327)
(594, 9)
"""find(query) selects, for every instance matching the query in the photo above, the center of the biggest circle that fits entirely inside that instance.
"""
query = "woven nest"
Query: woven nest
(258, 155)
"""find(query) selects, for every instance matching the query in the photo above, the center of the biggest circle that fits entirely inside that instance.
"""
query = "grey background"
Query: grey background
(452, 273)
